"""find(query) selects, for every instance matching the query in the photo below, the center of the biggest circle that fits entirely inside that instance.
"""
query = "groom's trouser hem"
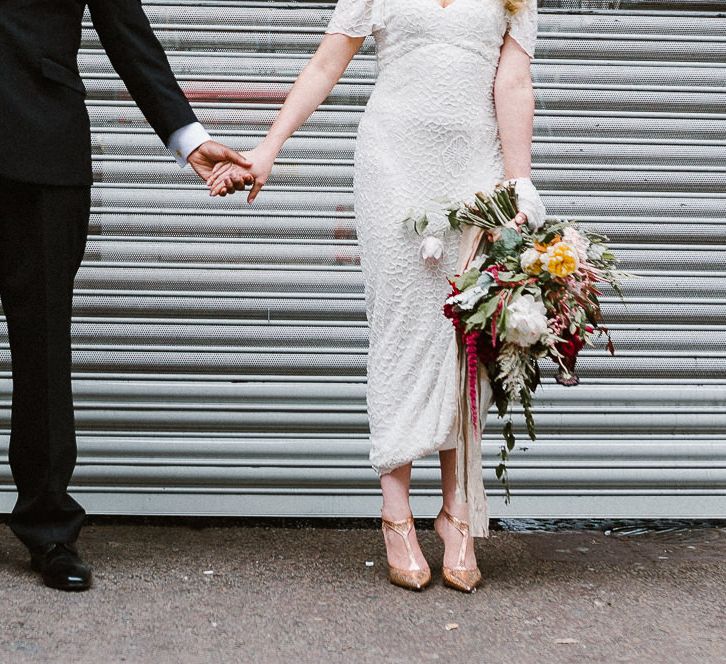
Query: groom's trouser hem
(43, 231)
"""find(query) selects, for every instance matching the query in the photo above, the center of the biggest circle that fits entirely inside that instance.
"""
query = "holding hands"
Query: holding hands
(230, 176)
(211, 154)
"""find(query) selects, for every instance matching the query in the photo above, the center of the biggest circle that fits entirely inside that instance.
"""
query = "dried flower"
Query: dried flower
(577, 240)
(506, 307)
(595, 251)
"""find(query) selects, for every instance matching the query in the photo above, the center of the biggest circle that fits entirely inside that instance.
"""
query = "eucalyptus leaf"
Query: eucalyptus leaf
(467, 280)
(480, 317)
(454, 221)
(485, 280)
(507, 245)
(512, 276)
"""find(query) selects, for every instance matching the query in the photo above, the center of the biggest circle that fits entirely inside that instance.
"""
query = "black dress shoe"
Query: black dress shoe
(61, 567)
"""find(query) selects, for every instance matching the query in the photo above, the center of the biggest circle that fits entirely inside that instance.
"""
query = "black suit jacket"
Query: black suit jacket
(44, 128)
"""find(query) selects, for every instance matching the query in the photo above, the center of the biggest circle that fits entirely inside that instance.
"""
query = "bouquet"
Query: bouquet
(522, 295)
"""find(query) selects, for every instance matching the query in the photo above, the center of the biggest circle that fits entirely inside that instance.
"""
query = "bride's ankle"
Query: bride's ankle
(396, 512)
(458, 510)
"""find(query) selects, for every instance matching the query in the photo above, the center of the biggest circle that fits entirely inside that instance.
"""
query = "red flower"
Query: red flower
(494, 271)
(570, 348)
(452, 314)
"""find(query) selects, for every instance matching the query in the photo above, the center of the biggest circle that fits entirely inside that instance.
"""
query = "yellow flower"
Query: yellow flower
(530, 261)
(560, 259)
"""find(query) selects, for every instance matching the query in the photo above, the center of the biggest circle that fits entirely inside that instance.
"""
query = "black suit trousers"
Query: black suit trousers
(43, 231)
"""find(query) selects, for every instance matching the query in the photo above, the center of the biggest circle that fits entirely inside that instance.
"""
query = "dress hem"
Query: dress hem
(443, 446)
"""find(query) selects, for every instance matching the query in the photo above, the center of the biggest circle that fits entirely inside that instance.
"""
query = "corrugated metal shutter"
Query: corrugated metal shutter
(220, 352)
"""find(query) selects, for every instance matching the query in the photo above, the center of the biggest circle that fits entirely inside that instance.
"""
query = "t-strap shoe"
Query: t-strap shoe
(414, 578)
(459, 577)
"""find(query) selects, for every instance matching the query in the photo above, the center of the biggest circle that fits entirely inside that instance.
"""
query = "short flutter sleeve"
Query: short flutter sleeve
(357, 18)
(522, 26)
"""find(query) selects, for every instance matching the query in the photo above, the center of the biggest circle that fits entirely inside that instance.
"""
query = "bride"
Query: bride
(450, 115)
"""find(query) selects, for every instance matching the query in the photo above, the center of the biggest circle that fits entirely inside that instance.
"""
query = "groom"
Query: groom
(45, 180)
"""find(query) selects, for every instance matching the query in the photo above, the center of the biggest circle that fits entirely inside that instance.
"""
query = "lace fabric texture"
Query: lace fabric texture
(361, 18)
(429, 132)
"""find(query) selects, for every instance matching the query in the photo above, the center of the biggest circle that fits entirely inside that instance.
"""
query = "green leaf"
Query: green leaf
(530, 428)
(480, 317)
(509, 435)
(512, 276)
(454, 221)
(468, 279)
(507, 245)
(422, 224)
(502, 322)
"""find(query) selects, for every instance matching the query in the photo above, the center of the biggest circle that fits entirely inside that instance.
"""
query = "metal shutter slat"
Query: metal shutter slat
(219, 351)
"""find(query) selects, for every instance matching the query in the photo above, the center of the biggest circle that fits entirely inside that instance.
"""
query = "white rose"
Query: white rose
(530, 261)
(526, 321)
(432, 251)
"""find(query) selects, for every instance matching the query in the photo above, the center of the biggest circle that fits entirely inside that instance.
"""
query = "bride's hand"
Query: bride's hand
(516, 223)
(225, 175)
(531, 208)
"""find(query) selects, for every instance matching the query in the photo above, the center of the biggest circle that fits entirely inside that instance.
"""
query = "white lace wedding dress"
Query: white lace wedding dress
(429, 131)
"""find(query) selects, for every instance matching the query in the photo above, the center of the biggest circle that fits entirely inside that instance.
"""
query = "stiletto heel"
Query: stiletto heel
(411, 579)
(459, 577)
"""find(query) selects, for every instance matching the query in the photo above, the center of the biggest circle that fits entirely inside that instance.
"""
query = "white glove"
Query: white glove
(529, 202)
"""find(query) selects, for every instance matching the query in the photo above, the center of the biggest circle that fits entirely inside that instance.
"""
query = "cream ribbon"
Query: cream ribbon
(469, 480)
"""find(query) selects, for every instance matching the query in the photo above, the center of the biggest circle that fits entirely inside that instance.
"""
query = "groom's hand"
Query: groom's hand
(207, 155)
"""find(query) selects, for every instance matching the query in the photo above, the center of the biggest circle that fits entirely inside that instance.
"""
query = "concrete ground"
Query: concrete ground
(258, 593)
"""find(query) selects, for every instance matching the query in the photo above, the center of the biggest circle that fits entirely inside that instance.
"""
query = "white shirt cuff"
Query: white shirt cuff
(185, 140)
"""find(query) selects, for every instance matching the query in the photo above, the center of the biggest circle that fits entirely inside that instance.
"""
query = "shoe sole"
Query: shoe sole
(69, 587)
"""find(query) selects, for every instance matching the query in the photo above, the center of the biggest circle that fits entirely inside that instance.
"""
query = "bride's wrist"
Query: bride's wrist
(273, 144)
(513, 179)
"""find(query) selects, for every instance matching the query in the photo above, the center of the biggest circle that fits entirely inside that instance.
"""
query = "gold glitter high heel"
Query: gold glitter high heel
(459, 577)
(411, 579)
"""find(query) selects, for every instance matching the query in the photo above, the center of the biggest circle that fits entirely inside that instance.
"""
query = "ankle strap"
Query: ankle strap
(461, 526)
(402, 527)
